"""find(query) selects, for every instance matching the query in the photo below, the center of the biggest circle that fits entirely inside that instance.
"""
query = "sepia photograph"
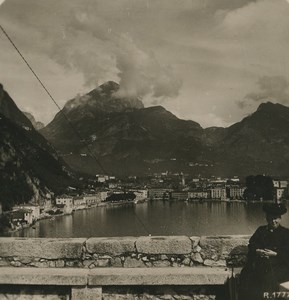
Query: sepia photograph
(144, 149)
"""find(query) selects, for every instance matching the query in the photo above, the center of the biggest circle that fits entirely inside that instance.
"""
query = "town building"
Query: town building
(79, 201)
(21, 216)
(198, 194)
(140, 194)
(236, 192)
(159, 193)
(280, 193)
(33, 208)
(64, 200)
(179, 195)
(218, 193)
(92, 199)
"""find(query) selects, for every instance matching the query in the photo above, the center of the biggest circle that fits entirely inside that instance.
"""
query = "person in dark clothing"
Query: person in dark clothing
(268, 257)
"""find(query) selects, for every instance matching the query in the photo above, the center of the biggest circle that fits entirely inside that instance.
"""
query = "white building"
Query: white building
(236, 192)
(140, 194)
(218, 193)
(92, 199)
(280, 193)
(32, 208)
(64, 200)
(198, 195)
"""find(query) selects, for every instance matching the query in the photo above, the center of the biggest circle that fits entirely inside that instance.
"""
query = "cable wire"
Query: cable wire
(51, 97)
(62, 112)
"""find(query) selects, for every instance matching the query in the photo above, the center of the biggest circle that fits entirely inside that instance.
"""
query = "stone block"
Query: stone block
(164, 245)
(16, 263)
(60, 264)
(86, 293)
(102, 263)
(41, 247)
(25, 260)
(196, 257)
(186, 261)
(133, 263)
(221, 246)
(43, 276)
(195, 240)
(111, 246)
(158, 276)
(213, 263)
(4, 263)
(161, 264)
(40, 264)
(116, 262)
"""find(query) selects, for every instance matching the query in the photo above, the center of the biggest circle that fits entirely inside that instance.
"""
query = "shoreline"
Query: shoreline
(121, 203)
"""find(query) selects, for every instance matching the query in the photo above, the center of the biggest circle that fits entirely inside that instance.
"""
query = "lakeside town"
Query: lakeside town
(106, 190)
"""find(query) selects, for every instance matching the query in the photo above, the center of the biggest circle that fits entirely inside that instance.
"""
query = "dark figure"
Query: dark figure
(268, 257)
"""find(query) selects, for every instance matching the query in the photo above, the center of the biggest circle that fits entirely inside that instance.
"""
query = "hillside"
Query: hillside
(29, 165)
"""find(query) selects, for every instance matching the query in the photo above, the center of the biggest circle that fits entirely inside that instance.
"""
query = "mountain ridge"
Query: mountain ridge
(128, 138)
(29, 166)
(147, 138)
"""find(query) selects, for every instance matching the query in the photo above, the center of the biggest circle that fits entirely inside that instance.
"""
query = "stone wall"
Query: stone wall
(189, 268)
(127, 252)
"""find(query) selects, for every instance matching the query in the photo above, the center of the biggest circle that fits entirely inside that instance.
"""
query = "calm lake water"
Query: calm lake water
(155, 218)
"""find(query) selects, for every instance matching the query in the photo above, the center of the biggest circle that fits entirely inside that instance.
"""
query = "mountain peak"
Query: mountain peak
(37, 125)
(111, 85)
(103, 99)
(9, 109)
(269, 106)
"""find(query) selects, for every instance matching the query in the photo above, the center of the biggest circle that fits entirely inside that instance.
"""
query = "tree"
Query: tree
(259, 187)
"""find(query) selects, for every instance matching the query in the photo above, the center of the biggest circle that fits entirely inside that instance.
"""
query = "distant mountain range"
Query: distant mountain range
(29, 166)
(127, 138)
(36, 124)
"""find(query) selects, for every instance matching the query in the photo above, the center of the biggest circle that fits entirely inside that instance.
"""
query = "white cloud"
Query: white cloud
(187, 55)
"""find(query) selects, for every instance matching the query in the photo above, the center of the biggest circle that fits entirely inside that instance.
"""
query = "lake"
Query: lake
(155, 218)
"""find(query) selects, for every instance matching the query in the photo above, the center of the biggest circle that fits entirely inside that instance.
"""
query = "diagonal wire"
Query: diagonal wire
(65, 116)
(51, 97)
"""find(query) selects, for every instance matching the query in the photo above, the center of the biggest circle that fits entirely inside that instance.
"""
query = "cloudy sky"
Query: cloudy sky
(211, 61)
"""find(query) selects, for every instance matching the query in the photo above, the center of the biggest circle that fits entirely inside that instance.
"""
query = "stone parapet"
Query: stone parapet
(111, 246)
(41, 247)
(127, 252)
(164, 245)
(166, 267)
(159, 276)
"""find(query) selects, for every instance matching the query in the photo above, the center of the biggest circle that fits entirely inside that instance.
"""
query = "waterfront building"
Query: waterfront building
(92, 199)
(280, 183)
(141, 194)
(79, 201)
(283, 184)
(102, 195)
(276, 183)
(280, 193)
(64, 200)
(198, 194)
(20, 216)
(33, 208)
(218, 193)
(236, 192)
(179, 195)
(159, 193)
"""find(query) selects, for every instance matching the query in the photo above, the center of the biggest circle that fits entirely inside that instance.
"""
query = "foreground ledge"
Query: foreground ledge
(43, 276)
(114, 276)
(158, 276)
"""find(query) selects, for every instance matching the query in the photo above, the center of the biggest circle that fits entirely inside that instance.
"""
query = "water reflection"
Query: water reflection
(155, 218)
